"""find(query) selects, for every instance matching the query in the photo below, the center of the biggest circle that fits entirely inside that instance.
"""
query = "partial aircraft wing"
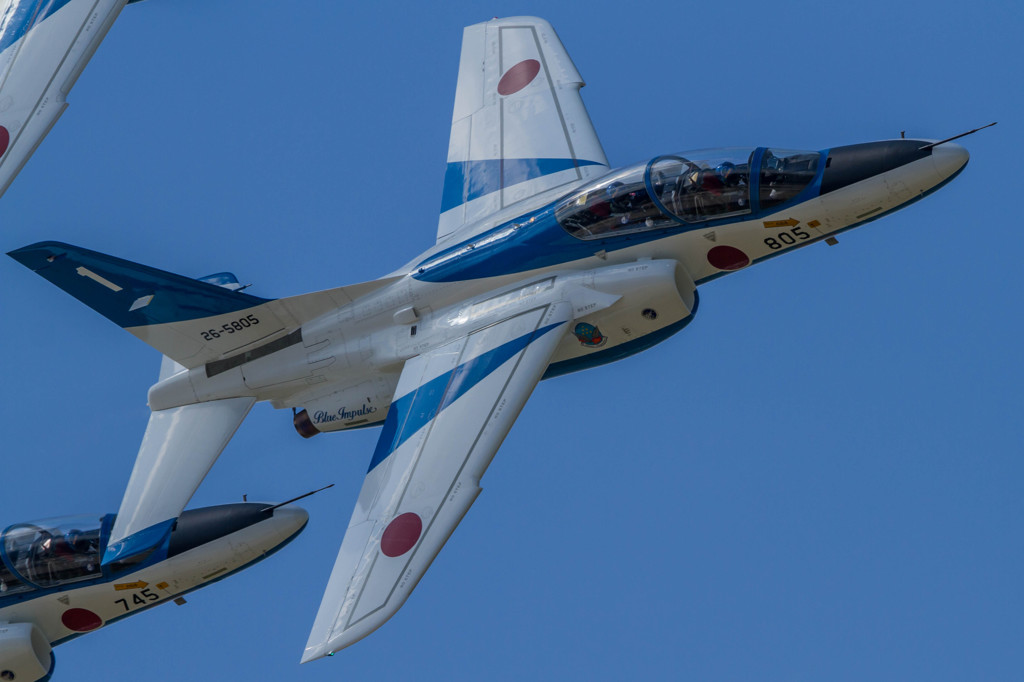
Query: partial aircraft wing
(44, 46)
(519, 126)
(454, 407)
(180, 446)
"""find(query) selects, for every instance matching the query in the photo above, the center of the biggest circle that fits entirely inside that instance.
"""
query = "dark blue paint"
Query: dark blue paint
(414, 410)
(175, 299)
(543, 243)
(155, 541)
(137, 543)
(468, 180)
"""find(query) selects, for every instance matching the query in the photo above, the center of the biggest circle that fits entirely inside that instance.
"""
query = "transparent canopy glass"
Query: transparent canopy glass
(616, 204)
(784, 174)
(690, 187)
(50, 553)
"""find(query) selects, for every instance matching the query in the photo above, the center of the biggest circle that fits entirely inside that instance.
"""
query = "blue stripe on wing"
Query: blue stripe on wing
(414, 410)
(468, 180)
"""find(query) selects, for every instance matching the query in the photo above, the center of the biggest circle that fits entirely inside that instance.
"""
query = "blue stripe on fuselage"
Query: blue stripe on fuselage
(21, 16)
(540, 242)
(415, 410)
(153, 537)
(468, 180)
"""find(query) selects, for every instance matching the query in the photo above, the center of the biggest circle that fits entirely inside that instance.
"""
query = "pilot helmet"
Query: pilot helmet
(612, 189)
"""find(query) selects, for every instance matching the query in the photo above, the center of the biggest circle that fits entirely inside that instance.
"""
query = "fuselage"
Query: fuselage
(53, 587)
(633, 245)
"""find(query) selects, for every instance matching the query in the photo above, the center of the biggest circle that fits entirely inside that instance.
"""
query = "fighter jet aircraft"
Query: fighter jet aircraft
(54, 588)
(44, 46)
(546, 262)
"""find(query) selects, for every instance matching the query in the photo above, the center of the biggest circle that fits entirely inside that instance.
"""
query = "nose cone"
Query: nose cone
(290, 520)
(949, 159)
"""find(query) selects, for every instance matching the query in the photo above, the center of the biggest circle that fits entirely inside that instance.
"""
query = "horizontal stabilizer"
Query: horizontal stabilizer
(190, 321)
(126, 293)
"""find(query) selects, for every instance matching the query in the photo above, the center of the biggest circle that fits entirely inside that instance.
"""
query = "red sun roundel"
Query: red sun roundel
(401, 534)
(518, 77)
(80, 620)
(728, 258)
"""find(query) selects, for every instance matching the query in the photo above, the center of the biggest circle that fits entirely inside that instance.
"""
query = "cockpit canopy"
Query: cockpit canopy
(691, 187)
(50, 553)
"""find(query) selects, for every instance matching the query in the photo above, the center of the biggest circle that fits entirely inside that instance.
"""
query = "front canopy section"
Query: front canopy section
(50, 553)
(686, 189)
(784, 174)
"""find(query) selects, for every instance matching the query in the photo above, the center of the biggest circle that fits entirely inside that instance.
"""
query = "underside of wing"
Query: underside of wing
(453, 409)
(180, 446)
(44, 45)
(519, 126)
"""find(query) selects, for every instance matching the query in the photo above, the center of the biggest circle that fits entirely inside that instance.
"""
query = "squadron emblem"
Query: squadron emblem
(589, 335)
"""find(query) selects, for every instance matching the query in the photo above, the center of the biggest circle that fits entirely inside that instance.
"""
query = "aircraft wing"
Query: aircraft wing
(179, 448)
(44, 46)
(455, 406)
(519, 126)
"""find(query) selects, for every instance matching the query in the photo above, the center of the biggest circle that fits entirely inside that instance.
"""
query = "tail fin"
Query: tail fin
(190, 321)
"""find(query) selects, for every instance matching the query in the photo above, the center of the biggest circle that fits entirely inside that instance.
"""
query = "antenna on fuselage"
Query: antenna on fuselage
(956, 137)
(296, 499)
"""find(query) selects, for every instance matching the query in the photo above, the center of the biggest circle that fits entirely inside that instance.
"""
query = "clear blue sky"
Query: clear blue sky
(819, 479)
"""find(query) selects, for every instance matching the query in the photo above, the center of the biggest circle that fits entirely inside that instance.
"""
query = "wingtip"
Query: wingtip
(34, 254)
(333, 645)
(312, 653)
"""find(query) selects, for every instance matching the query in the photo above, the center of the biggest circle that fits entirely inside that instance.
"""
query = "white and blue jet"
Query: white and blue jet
(44, 46)
(546, 262)
(54, 588)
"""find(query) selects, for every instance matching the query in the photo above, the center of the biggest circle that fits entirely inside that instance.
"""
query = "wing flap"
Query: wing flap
(519, 126)
(457, 404)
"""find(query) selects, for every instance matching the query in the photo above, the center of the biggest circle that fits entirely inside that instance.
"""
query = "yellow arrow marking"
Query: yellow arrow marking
(789, 222)
(131, 586)
(814, 223)
(161, 586)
